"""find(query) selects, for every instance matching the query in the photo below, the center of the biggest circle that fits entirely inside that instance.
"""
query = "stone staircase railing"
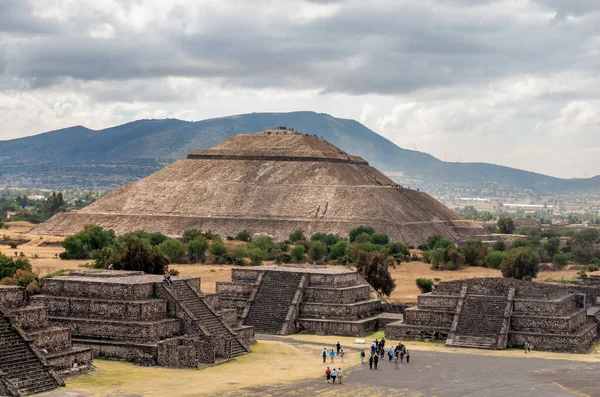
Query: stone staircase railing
(288, 325)
(252, 297)
(459, 306)
(503, 336)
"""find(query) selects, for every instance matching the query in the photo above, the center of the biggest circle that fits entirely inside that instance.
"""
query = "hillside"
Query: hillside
(80, 157)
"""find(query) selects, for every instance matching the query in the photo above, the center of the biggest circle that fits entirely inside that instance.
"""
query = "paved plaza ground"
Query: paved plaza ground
(291, 366)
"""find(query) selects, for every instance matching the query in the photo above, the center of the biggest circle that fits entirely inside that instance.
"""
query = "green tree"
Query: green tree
(521, 263)
(217, 248)
(317, 250)
(191, 234)
(399, 251)
(327, 239)
(172, 249)
(506, 225)
(338, 250)
(560, 260)
(499, 246)
(104, 258)
(239, 252)
(257, 255)
(552, 246)
(379, 238)
(297, 235)
(297, 254)
(9, 266)
(424, 284)
(196, 249)
(374, 267)
(494, 259)
(354, 233)
(137, 254)
(91, 238)
(244, 235)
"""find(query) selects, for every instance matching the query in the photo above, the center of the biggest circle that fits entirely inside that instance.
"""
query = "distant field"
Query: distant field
(405, 274)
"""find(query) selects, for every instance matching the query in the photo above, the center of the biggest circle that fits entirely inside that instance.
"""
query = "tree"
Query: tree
(327, 239)
(297, 254)
(244, 235)
(379, 238)
(9, 266)
(196, 249)
(499, 246)
(374, 267)
(494, 259)
(256, 255)
(583, 245)
(217, 248)
(172, 249)
(360, 230)
(552, 246)
(338, 250)
(317, 250)
(91, 238)
(474, 252)
(424, 284)
(104, 257)
(297, 235)
(399, 251)
(191, 234)
(560, 260)
(506, 225)
(137, 254)
(521, 263)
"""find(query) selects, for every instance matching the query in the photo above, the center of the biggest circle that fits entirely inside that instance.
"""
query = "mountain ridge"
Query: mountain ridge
(154, 142)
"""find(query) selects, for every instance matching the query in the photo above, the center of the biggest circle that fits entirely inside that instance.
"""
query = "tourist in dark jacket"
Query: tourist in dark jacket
(375, 360)
(371, 362)
(338, 347)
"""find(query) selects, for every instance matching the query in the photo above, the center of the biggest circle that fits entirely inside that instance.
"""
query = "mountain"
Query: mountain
(81, 157)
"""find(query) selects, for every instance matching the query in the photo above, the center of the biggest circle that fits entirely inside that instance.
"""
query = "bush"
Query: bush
(399, 251)
(137, 254)
(457, 259)
(256, 255)
(297, 235)
(239, 253)
(8, 266)
(506, 225)
(552, 246)
(494, 259)
(191, 234)
(499, 246)
(173, 272)
(33, 288)
(8, 281)
(283, 258)
(560, 260)
(154, 239)
(426, 256)
(91, 238)
(338, 250)
(424, 284)
(172, 249)
(24, 277)
(13, 244)
(520, 263)
(327, 239)
(437, 257)
(244, 235)
(362, 238)
(354, 233)
(104, 258)
(263, 243)
(297, 254)
(196, 249)
(217, 248)
(374, 268)
(317, 250)
(379, 238)
(520, 243)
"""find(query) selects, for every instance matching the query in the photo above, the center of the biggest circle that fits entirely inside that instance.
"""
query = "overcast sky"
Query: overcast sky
(513, 82)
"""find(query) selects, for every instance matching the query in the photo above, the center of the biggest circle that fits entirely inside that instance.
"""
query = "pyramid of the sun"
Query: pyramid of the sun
(271, 182)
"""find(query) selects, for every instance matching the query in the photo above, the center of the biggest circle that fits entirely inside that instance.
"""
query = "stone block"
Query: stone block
(12, 296)
(350, 294)
(335, 327)
(428, 317)
(352, 311)
(51, 339)
(29, 317)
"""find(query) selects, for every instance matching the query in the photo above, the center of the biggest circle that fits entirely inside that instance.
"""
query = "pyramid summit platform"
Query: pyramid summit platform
(270, 182)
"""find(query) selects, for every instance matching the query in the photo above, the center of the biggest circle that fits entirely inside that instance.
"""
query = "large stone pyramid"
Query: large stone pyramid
(271, 182)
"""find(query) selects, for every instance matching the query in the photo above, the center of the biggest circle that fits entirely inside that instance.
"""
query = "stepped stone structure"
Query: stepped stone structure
(295, 298)
(134, 316)
(270, 182)
(31, 351)
(495, 313)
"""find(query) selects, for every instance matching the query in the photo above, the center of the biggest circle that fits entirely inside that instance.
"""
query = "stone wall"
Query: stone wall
(149, 309)
(337, 295)
(51, 339)
(67, 362)
(335, 280)
(185, 352)
(11, 296)
(28, 317)
(63, 286)
(244, 275)
(229, 317)
(141, 353)
(235, 288)
(554, 307)
(350, 311)
(126, 330)
(578, 343)
(427, 317)
(343, 328)
(438, 301)
(245, 333)
(213, 301)
(549, 325)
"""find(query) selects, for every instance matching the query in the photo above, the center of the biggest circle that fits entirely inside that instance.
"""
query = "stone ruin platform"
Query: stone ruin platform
(496, 313)
(296, 298)
(136, 317)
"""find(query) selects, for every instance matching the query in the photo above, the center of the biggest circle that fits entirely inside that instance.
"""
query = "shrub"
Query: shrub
(217, 247)
(239, 253)
(283, 258)
(457, 259)
(506, 225)
(494, 259)
(33, 288)
(8, 281)
(338, 250)
(362, 238)
(137, 254)
(8, 266)
(256, 255)
(379, 238)
(196, 249)
(244, 235)
(424, 284)
(552, 246)
(520, 263)
(374, 268)
(426, 256)
(499, 246)
(317, 250)
(399, 251)
(172, 249)
(154, 239)
(327, 239)
(297, 254)
(13, 244)
(520, 243)
(24, 277)
(354, 233)
(91, 238)
(263, 243)
(297, 235)
(560, 260)
(173, 272)
(437, 257)
(191, 234)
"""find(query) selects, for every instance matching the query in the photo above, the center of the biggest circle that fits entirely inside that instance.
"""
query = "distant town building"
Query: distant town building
(478, 199)
(36, 197)
(527, 206)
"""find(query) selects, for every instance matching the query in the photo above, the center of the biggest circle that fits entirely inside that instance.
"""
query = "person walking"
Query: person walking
(362, 356)
(371, 362)
(333, 375)
(338, 347)
(402, 353)
(332, 355)
(328, 374)
(340, 375)
(390, 353)
(375, 360)
(373, 347)
(382, 353)
(407, 357)
(324, 354)
(396, 361)
(342, 356)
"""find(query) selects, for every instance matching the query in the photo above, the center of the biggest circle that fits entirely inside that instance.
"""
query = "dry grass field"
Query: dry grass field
(405, 274)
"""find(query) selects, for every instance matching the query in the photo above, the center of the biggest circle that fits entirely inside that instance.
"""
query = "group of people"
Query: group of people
(340, 353)
(378, 353)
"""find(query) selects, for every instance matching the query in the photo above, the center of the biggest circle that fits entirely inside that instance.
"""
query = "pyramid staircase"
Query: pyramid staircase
(206, 317)
(273, 301)
(22, 371)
